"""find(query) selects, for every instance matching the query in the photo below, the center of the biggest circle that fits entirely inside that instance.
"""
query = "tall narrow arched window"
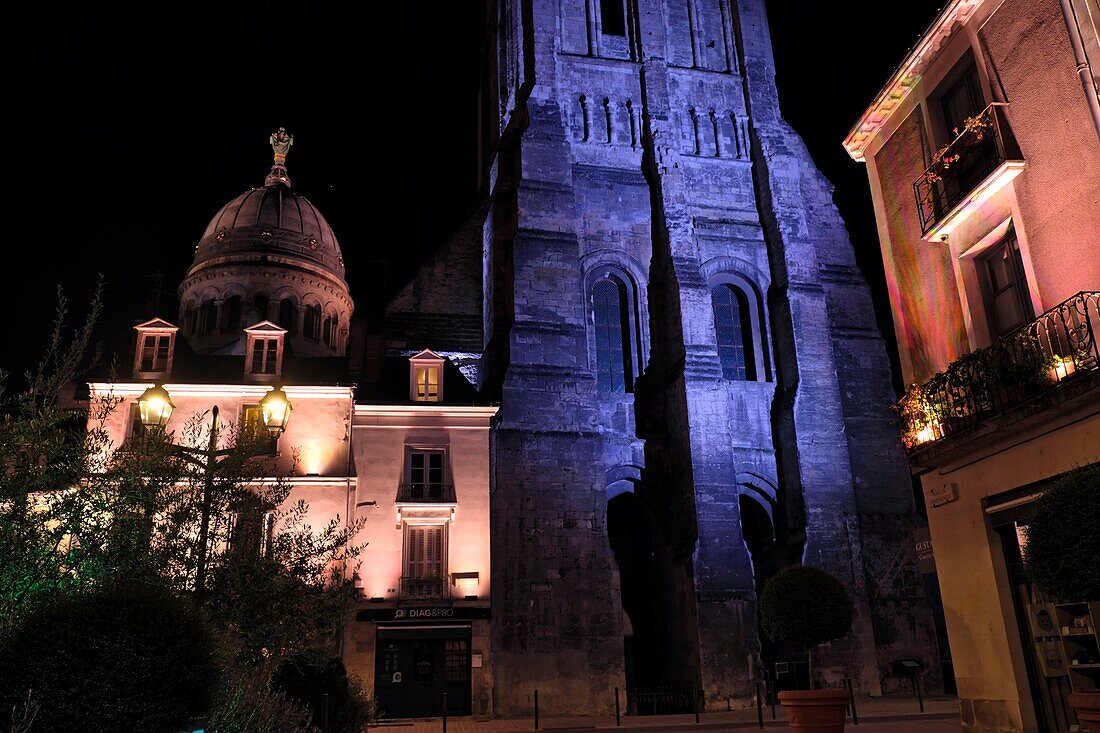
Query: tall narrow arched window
(733, 331)
(612, 325)
(326, 331)
(311, 323)
(231, 314)
(259, 304)
(208, 314)
(288, 315)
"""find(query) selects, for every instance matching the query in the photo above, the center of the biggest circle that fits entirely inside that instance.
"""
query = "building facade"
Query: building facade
(982, 152)
(265, 305)
(694, 394)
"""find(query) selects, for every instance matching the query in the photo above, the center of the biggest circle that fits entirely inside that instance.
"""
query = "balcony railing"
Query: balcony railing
(1059, 346)
(423, 589)
(963, 164)
(427, 493)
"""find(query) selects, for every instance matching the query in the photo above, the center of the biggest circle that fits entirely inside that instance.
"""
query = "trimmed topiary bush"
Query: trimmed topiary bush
(123, 659)
(1063, 537)
(805, 606)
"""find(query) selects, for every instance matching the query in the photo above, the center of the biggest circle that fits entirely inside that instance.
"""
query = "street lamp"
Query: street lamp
(155, 407)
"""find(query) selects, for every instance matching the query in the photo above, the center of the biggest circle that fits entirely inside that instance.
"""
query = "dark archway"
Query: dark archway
(627, 532)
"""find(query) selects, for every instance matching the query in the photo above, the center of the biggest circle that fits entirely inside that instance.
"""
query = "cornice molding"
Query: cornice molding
(907, 75)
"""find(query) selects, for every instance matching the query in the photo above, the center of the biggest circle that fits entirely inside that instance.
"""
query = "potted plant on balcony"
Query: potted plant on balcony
(807, 606)
(1061, 553)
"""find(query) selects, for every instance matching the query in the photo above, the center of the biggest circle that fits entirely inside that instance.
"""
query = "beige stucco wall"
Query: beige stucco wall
(985, 642)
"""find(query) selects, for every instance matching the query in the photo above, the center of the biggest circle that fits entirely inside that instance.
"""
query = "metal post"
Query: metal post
(759, 707)
(536, 709)
(729, 705)
(916, 688)
(618, 713)
(444, 712)
(324, 712)
(771, 694)
(204, 518)
(852, 700)
(698, 699)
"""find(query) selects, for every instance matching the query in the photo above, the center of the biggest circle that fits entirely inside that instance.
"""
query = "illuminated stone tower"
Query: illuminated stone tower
(693, 389)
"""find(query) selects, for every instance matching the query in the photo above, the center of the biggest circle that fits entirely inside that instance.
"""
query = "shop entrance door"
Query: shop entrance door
(416, 665)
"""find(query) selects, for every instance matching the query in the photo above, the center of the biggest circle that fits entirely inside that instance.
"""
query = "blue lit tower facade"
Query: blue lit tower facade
(693, 389)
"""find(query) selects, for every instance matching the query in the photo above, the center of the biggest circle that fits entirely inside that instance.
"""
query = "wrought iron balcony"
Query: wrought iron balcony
(1059, 346)
(426, 493)
(983, 144)
(423, 589)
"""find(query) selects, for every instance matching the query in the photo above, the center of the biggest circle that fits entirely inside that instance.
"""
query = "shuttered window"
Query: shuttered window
(424, 552)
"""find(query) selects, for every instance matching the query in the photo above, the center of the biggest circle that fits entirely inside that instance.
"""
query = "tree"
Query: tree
(806, 606)
(1063, 537)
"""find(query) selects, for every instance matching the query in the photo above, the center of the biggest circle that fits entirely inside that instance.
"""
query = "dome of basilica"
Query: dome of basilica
(270, 255)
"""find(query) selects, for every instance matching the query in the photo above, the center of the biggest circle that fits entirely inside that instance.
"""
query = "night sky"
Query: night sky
(122, 136)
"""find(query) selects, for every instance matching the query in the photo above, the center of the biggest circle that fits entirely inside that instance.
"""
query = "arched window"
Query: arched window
(326, 331)
(311, 322)
(208, 314)
(288, 315)
(612, 326)
(733, 331)
(189, 320)
(259, 304)
(231, 314)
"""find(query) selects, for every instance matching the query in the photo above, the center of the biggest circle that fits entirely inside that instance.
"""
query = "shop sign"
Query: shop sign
(424, 613)
(922, 544)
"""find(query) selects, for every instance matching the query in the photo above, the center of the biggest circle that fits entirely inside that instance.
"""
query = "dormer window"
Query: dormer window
(426, 377)
(265, 355)
(154, 350)
(264, 350)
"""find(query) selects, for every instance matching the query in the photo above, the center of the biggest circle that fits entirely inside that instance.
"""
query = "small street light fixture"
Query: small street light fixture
(155, 407)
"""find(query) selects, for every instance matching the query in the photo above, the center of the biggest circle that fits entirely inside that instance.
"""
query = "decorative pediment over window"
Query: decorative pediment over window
(426, 377)
(264, 348)
(156, 345)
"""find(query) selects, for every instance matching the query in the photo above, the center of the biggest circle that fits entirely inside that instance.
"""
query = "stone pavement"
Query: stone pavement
(890, 715)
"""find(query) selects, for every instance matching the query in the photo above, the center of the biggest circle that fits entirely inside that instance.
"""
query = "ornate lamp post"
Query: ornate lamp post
(155, 407)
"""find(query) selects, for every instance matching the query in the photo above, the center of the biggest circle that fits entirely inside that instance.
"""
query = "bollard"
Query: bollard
(618, 714)
(444, 712)
(536, 709)
(324, 712)
(729, 705)
(698, 699)
(852, 700)
(916, 688)
(759, 708)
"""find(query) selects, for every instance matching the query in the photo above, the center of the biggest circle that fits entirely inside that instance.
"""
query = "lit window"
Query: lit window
(254, 432)
(427, 384)
(265, 355)
(426, 377)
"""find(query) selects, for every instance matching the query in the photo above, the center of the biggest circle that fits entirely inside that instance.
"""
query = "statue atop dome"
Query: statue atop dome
(280, 140)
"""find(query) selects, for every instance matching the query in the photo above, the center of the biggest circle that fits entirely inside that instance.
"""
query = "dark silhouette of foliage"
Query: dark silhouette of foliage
(1063, 537)
(119, 658)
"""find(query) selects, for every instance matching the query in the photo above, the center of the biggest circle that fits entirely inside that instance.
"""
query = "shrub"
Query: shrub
(116, 659)
(306, 677)
(247, 703)
(1063, 537)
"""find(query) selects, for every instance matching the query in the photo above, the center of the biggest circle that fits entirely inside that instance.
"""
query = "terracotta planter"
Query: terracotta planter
(815, 711)
(1087, 707)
